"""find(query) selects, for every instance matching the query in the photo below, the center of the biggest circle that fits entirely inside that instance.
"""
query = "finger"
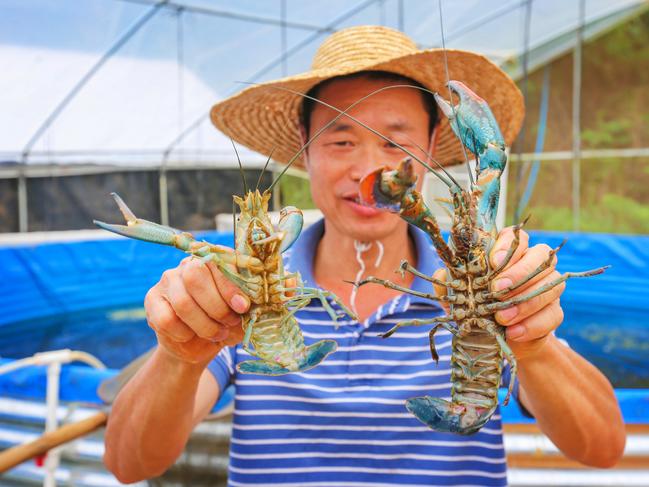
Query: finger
(163, 320)
(538, 325)
(192, 351)
(200, 285)
(519, 312)
(503, 243)
(533, 259)
(440, 275)
(191, 313)
(236, 299)
(235, 336)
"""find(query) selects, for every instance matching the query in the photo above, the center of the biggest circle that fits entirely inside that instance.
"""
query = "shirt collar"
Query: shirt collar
(300, 258)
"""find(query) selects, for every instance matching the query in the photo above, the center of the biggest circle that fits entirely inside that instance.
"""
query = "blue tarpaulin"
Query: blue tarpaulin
(48, 279)
(90, 293)
(55, 278)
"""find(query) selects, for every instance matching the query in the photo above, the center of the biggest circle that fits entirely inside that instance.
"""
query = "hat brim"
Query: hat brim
(266, 119)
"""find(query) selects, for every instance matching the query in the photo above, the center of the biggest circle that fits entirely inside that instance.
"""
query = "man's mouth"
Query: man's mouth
(359, 208)
(353, 199)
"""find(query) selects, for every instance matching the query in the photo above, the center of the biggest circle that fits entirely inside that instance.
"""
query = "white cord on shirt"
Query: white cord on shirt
(360, 248)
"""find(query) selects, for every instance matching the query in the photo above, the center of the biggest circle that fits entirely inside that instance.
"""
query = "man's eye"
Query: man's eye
(342, 143)
(393, 145)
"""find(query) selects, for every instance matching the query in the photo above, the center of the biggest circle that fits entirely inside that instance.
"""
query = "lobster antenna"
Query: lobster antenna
(243, 176)
(379, 134)
(234, 226)
(450, 92)
(431, 158)
(261, 175)
(317, 134)
(345, 112)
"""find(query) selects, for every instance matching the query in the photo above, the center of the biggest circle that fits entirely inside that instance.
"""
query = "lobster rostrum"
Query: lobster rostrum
(478, 341)
(255, 266)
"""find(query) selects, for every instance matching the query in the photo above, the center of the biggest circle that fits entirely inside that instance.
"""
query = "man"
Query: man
(343, 423)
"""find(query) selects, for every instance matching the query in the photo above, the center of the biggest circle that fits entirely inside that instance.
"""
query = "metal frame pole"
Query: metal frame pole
(22, 199)
(277, 61)
(576, 122)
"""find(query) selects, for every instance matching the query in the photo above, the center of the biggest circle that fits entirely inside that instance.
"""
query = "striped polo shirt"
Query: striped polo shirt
(344, 422)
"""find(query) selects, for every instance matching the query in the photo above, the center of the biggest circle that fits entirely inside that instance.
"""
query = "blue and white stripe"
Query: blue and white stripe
(344, 422)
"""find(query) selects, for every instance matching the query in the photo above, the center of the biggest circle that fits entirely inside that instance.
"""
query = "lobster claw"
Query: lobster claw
(476, 127)
(384, 188)
(290, 222)
(141, 229)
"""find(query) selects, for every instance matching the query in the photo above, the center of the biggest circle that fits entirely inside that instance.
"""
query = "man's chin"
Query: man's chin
(375, 228)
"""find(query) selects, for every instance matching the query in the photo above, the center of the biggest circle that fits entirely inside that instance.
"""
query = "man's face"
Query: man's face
(345, 152)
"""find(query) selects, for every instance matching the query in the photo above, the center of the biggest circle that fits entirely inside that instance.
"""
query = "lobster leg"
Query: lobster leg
(443, 319)
(315, 293)
(510, 251)
(396, 287)
(245, 343)
(490, 308)
(406, 267)
(431, 337)
(494, 330)
(544, 265)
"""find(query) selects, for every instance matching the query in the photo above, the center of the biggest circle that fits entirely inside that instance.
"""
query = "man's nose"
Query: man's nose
(368, 158)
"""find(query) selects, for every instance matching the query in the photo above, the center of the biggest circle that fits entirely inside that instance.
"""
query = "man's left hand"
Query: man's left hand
(529, 323)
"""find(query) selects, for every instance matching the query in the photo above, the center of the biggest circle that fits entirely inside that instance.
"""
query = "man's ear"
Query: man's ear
(303, 140)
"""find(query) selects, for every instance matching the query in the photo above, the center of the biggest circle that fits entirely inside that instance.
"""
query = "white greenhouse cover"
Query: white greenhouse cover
(151, 96)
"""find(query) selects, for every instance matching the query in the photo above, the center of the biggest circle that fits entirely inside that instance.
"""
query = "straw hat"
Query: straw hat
(263, 118)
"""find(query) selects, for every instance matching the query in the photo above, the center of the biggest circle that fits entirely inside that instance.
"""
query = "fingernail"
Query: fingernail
(239, 303)
(500, 256)
(502, 284)
(516, 332)
(506, 315)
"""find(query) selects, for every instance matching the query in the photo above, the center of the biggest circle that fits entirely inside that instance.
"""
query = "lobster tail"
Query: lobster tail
(447, 417)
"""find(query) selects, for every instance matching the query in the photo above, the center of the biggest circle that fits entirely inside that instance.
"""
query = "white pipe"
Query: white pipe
(53, 360)
(53, 456)
(46, 358)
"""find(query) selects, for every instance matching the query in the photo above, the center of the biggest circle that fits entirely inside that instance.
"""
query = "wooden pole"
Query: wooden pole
(21, 453)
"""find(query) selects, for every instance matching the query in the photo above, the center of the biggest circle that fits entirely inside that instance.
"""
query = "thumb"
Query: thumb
(235, 298)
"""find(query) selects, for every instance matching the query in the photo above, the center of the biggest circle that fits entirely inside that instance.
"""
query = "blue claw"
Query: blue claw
(141, 229)
(476, 127)
(444, 416)
(290, 222)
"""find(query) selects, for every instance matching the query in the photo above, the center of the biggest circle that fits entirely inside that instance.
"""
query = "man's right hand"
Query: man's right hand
(195, 311)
